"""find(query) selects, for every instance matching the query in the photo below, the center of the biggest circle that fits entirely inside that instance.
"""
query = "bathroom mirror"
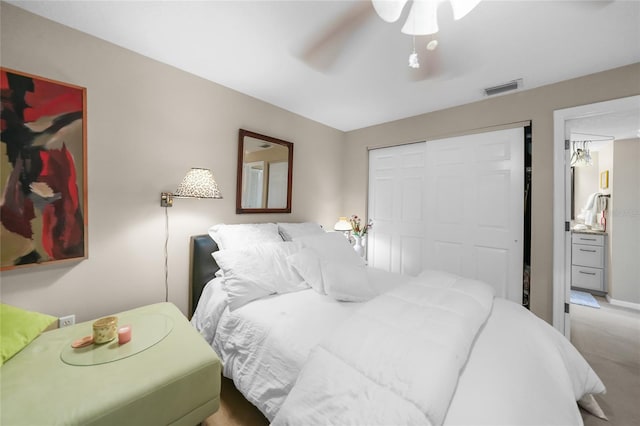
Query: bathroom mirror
(265, 167)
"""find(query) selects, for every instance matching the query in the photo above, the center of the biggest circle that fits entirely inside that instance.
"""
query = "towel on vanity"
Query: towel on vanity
(589, 211)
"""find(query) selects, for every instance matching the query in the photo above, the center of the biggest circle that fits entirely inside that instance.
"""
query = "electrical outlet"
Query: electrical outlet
(66, 321)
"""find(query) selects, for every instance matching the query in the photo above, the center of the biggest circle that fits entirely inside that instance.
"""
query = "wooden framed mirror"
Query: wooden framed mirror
(265, 172)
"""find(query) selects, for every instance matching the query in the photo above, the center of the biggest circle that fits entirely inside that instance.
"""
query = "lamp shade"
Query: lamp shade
(198, 183)
(342, 225)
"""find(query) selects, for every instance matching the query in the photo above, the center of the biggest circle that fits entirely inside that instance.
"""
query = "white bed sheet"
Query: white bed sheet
(511, 377)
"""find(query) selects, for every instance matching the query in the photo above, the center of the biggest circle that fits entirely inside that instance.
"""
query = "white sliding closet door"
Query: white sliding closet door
(476, 206)
(396, 206)
(453, 204)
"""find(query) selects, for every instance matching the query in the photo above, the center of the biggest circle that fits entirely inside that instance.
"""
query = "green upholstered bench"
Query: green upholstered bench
(170, 377)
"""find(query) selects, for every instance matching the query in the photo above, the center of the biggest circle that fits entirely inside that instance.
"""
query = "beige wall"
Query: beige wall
(148, 123)
(536, 105)
(605, 163)
(625, 222)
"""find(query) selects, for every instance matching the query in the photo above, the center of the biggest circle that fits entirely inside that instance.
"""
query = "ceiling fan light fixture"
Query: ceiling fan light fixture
(389, 10)
(462, 7)
(423, 15)
(422, 18)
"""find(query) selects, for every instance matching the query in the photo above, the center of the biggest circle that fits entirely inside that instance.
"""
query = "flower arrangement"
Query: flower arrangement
(356, 226)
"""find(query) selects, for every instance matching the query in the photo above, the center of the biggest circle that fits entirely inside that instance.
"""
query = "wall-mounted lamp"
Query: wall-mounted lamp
(198, 183)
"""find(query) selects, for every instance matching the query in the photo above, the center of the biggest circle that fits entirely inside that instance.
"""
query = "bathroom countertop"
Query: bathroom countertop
(588, 231)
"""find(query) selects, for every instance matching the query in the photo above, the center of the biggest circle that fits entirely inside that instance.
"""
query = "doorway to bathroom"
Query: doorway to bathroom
(596, 205)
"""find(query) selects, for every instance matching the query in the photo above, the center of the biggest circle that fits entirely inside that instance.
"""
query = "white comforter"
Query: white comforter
(398, 360)
(395, 361)
(520, 370)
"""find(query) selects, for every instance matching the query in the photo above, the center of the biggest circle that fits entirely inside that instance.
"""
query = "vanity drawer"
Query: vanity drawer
(587, 278)
(584, 255)
(588, 239)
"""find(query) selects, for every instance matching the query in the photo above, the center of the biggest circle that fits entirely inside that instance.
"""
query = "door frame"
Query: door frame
(561, 189)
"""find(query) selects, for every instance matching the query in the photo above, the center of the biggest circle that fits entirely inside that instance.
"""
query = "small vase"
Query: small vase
(357, 245)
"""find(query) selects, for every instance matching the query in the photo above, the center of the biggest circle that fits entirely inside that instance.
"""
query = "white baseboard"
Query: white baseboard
(623, 303)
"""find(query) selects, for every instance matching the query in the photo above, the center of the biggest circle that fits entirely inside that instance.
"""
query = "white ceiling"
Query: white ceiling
(255, 48)
(623, 124)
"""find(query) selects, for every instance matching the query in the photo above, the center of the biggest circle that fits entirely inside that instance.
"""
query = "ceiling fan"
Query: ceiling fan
(421, 23)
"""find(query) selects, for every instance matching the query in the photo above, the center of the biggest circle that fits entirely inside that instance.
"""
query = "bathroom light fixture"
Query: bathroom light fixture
(198, 183)
(581, 156)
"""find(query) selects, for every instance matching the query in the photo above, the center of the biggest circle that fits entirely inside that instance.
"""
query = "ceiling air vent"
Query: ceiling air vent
(501, 88)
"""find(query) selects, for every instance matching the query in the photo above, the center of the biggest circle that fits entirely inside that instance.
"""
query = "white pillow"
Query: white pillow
(347, 283)
(243, 235)
(240, 293)
(307, 263)
(289, 231)
(258, 271)
(331, 247)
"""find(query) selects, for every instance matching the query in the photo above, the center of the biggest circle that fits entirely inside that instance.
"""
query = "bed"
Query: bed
(310, 335)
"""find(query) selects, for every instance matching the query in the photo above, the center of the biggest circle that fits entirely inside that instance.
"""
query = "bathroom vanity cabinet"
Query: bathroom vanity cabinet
(588, 261)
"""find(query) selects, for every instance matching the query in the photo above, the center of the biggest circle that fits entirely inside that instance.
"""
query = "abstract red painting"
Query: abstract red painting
(43, 211)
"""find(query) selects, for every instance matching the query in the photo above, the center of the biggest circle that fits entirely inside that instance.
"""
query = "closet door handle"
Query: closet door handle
(587, 273)
(590, 251)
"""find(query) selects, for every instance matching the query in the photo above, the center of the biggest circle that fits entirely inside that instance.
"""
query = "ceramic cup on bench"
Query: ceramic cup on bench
(105, 330)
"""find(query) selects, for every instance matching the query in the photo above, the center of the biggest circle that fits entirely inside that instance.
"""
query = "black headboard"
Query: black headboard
(203, 267)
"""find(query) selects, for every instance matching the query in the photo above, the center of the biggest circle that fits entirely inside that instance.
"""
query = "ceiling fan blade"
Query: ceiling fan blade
(324, 50)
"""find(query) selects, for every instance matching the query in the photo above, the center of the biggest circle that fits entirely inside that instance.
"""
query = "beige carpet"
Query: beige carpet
(609, 339)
